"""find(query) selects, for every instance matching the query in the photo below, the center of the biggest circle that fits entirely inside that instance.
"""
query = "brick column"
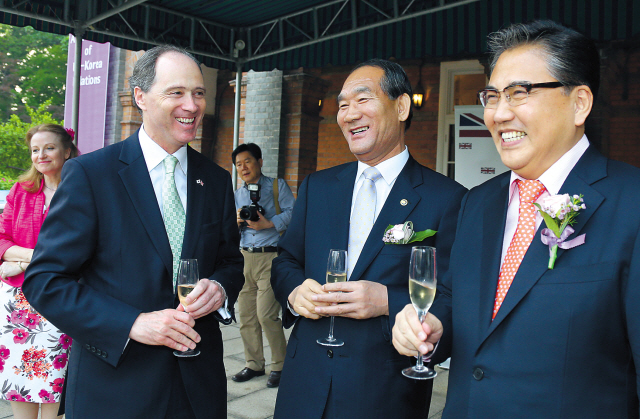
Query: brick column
(113, 116)
(131, 118)
(301, 120)
(263, 109)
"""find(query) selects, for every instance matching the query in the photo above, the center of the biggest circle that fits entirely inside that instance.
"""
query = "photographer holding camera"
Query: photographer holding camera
(264, 207)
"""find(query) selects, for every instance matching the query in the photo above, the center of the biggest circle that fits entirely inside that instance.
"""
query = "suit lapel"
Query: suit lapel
(137, 182)
(493, 223)
(196, 193)
(590, 168)
(392, 213)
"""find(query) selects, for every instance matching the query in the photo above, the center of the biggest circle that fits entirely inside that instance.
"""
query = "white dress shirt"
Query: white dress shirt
(552, 180)
(389, 169)
(154, 156)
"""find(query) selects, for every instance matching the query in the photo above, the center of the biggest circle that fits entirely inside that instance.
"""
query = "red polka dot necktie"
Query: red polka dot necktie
(529, 191)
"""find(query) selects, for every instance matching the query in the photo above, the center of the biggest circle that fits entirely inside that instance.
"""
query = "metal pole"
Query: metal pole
(236, 122)
(76, 82)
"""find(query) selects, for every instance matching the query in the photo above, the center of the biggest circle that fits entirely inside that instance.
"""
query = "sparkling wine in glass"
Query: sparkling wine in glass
(422, 290)
(186, 281)
(336, 272)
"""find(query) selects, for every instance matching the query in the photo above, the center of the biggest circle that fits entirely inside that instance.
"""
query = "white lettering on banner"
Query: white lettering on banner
(92, 65)
(87, 81)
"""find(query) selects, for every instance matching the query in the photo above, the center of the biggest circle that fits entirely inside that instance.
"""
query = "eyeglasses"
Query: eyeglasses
(516, 94)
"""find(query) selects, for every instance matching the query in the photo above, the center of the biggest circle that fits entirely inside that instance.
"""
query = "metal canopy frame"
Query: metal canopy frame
(137, 21)
(381, 17)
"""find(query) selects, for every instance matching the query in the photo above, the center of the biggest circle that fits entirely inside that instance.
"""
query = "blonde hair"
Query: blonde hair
(32, 178)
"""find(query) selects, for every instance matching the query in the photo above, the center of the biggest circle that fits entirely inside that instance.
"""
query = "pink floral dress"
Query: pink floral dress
(33, 352)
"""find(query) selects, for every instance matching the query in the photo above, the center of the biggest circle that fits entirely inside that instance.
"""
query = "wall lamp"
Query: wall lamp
(419, 94)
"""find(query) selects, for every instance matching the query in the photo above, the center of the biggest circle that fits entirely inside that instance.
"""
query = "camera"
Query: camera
(250, 212)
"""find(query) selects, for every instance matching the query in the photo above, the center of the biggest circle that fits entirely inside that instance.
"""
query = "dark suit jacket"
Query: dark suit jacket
(103, 258)
(365, 374)
(565, 342)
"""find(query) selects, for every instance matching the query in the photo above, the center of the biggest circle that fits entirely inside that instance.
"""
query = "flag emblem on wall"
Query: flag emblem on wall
(465, 146)
(475, 124)
(488, 170)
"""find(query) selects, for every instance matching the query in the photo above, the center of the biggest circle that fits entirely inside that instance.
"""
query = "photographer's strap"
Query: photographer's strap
(275, 198)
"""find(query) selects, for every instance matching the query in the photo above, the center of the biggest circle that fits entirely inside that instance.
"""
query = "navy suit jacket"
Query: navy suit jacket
(103, 258)
(363, 375)
(565, 342)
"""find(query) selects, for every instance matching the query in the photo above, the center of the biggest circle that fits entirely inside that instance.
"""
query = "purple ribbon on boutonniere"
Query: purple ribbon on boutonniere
(549, 238)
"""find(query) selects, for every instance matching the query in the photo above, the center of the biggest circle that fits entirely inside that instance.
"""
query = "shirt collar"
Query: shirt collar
(553, 178)
(154, 154)
(390, 168)
(260, 181)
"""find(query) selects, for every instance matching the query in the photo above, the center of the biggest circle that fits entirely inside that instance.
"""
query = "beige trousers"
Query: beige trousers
(259, 311)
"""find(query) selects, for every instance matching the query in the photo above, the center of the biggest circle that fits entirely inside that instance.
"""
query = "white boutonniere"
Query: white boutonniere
(404, 234)
(559, 213)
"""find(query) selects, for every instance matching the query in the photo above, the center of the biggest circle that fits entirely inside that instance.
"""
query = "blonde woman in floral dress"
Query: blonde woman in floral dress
(33, 352)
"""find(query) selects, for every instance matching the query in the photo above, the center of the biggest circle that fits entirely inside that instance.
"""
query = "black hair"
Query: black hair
(252, 148)
(572, 58)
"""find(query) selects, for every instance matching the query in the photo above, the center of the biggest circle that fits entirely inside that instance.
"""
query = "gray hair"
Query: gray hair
(572, 58)
(144, 71)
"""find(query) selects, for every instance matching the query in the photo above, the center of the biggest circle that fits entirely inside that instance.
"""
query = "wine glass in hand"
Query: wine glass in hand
(336, 272)
(422, 290)
(186, 281)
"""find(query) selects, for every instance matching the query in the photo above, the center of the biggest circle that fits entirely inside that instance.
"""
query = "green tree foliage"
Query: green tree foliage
(35, 62)
(14, 153)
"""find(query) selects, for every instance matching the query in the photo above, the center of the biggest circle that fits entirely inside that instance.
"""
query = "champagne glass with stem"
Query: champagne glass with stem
(422, 290)
(186, 281)
(336, 272)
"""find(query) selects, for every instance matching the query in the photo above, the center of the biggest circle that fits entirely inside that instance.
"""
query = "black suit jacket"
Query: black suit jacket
(565, 342)
(364, 375)
(103, 258)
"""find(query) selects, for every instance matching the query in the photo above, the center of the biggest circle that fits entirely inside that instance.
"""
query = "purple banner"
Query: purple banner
(94, 76)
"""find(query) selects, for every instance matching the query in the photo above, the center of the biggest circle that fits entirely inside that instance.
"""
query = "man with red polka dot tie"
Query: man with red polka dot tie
(530, 338)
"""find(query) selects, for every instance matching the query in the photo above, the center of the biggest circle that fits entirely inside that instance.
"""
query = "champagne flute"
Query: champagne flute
(422, 290)
(336, 272)
(186, 281)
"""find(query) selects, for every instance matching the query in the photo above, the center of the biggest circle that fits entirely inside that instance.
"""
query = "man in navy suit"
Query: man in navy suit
(103, 269)
(564, 342)
(362, 378)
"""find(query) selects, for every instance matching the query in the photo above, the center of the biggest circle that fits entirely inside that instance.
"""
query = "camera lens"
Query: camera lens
(245, 213)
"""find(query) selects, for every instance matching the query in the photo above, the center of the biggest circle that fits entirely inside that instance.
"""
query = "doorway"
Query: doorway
(459, 84)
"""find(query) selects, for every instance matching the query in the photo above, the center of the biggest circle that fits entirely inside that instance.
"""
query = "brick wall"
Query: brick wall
(332, 146)
(131, 118)
(301, 119)
(615, 120)
(222, 144)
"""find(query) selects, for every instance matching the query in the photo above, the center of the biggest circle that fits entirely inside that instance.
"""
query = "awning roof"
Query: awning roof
(288, 34)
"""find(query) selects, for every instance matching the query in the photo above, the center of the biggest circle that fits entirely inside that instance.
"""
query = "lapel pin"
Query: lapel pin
(199, 182)
(404, 202)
